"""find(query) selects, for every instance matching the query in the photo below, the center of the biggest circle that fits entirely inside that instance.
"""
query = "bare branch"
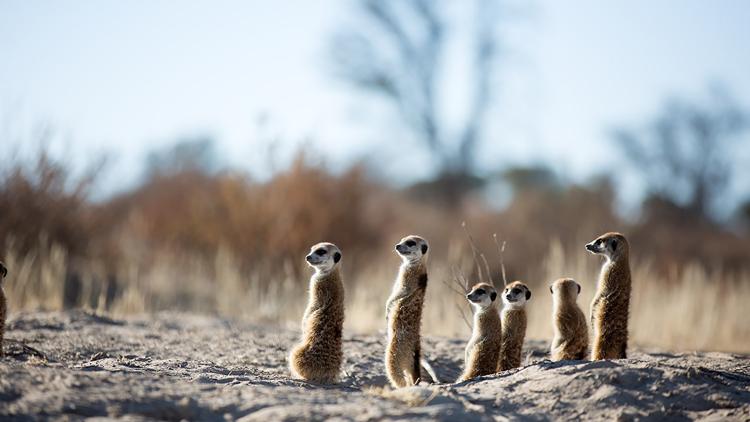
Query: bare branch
(463, 315)
(501, 253)
(474, 251)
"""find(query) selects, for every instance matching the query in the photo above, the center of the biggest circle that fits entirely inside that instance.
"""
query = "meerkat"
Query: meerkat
(515, 296)
(318, 356)
(609, 309)
(3, 307)
(404, 313)
(571, 340)
(483, 350)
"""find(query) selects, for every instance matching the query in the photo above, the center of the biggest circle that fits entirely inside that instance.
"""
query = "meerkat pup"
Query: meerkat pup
(571, 340)
(483, 349)
(404, 313)
(318, 356)
(3, 306)
(609, 309)
(515, 296)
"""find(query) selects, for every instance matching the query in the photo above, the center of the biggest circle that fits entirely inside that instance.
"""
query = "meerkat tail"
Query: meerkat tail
(427, 367)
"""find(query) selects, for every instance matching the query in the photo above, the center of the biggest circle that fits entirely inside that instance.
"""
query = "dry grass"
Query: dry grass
(222, 243)
(697, 311)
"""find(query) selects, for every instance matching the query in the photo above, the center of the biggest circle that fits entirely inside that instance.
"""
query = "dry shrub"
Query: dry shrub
(222, 243)
(43, 203)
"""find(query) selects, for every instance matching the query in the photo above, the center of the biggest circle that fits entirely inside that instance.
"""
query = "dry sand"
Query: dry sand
(76, 365)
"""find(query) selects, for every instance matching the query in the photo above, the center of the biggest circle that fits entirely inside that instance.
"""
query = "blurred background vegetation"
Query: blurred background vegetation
(197, 234)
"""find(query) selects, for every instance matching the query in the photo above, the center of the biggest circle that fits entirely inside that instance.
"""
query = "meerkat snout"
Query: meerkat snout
(323, 256)
(610, 245)
(516, 296)
(412, 248)
(482, 296)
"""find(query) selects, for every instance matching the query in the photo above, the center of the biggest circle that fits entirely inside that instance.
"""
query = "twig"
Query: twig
(487, 269)
(459, 283)
(474, 251)
(501, 252)
(450, 286)
(463, 315)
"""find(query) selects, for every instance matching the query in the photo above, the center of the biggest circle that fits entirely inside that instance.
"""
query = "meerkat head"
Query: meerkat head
(515, 295)
(565, 288)
(610, 245)
(412, 249)
(482, 296)
(323, 257)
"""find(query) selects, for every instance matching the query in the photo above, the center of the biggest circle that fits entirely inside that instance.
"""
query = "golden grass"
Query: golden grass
(222, 243)
(699, 310)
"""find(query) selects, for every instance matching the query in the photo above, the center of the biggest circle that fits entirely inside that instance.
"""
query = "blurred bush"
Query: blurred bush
(199, 239)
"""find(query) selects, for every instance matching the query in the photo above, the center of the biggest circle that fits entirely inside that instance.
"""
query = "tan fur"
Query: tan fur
(3, 307)
(318, 356)
(404, 315)
(571, 340)
(513, 326)
(610, 307)
(483, 350)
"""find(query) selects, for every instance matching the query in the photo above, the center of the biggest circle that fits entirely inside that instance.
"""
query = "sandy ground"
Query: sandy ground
(76, 365)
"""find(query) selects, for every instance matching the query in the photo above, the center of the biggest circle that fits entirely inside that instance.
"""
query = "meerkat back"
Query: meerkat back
(571, 337)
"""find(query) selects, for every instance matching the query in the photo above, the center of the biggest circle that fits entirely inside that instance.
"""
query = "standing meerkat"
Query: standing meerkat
(318, 356)
(483, 350)
(515, 296)
(404, 313)
(571, 340)
(609, 309)
(3, 307)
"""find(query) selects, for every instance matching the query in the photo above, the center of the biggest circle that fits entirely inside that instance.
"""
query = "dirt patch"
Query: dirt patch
(176, 366)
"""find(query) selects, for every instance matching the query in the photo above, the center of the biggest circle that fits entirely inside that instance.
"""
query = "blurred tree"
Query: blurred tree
(685, 153)
(531, 178)
(187, 154)
(399, 56)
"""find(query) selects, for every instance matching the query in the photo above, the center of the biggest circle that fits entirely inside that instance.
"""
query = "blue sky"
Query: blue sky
(125, 77)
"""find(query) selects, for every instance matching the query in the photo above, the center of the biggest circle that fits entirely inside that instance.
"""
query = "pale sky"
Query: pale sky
(121, 77)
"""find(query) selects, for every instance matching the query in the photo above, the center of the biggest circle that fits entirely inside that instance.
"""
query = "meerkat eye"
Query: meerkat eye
(515, 291)
(320, 252)
(599, 242)
(480, 291)
(410, 243)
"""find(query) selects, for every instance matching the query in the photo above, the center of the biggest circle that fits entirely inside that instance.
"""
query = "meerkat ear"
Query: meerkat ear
(424, 248)
(579, 288)
(614, 245)
(528, 294)
(493, 296)
(336, 257)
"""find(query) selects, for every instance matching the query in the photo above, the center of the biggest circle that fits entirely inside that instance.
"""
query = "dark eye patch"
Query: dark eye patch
(479, 291)
(516, 290)
(320, 252)
(410, 243)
